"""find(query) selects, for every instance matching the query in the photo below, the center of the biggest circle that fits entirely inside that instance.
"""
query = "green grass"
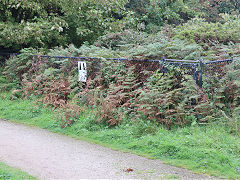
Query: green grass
(9, 173)
(207, 149)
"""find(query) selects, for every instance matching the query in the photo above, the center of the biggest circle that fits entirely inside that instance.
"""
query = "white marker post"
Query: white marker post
(82, 70)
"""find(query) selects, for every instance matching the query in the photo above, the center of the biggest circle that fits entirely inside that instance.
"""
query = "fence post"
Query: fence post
(195, 73)
(200, 80)
(163, 59)
(164, 69)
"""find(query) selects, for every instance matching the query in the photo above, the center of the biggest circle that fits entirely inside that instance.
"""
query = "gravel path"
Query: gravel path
(52, 156)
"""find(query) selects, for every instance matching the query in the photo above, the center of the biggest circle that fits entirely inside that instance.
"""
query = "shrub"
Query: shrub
(199, 31)
(138, 89)
(222, 84)
(171, 98)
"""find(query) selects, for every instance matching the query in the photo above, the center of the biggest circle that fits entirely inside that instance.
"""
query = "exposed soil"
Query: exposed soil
(46, 155)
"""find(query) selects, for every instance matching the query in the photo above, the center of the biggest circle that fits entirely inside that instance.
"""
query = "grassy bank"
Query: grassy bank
(9, 173)
(207, 149)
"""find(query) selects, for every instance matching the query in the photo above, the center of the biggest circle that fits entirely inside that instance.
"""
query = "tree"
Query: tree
(49, 23)
(26, 23)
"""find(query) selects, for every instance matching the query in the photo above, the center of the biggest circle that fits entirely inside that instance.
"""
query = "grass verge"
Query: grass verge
(210, 149)
(9, 173)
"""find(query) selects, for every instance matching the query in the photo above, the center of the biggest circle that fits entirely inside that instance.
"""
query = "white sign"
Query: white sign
(82, 70)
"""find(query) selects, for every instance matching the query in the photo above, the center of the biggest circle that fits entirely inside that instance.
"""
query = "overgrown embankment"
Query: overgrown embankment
(161, 94)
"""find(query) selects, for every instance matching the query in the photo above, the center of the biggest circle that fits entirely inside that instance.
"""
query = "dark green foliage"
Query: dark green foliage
(31, 24)
(52, 23)
(200, 31)
(40, 33)
(56, 23)
(211, 9)
(154, 13)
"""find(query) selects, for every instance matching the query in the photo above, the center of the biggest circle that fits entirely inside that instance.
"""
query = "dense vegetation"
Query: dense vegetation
(55, 23)
(143, 95)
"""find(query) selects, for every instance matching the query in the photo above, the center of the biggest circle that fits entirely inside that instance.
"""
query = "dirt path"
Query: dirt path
(51, 156)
